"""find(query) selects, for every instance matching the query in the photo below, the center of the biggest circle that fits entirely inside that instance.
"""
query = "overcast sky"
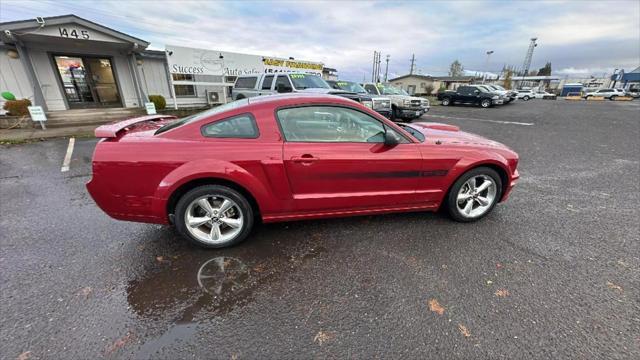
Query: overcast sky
(579, 38)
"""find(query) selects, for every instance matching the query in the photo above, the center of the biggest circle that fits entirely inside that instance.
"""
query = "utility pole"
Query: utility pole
(386, 69)
(373, 69)
(378, 68)
(486, 66)
(413, 63)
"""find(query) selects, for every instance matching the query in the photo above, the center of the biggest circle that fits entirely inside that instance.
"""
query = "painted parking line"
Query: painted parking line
(67, 157)
(484, 120)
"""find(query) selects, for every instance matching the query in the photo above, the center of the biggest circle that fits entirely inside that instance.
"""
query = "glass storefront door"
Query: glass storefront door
(88, 82)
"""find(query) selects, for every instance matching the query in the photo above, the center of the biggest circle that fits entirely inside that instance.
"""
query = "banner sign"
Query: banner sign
(183, 60)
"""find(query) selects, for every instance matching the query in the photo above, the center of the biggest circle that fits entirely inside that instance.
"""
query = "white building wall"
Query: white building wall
(154, 77)
(13, 77)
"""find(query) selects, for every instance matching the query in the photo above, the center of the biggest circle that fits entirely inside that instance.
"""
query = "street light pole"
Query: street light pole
(386, 69)
(486, 66)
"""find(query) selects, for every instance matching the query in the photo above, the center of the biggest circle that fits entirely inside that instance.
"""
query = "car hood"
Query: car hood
(452, 135)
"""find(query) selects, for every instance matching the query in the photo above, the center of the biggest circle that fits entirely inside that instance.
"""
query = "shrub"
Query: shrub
(158, 101)
(17, 107)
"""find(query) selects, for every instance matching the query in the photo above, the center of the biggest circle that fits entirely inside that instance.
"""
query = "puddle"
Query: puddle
(193, 286)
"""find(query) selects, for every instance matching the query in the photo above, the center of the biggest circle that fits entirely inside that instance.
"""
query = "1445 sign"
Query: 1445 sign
(78, 34)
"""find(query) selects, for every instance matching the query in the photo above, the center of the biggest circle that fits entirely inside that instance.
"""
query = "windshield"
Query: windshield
(390, 90)
(304, 81)
(350, 86)
(202, 115)
(499, 87)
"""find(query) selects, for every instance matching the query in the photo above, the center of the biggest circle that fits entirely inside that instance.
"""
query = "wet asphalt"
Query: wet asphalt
(552, 273)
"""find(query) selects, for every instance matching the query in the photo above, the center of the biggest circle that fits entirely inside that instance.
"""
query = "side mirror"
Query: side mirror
(282, 88)
(476, 92)
(391, 138)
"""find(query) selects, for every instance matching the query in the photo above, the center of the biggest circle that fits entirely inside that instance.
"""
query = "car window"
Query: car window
(304, 81)
(330, 124)
(466, 90)
(202, 115)
(371, 89)
(284, 80)
(246, 82)
(266, 83)
(240, 126)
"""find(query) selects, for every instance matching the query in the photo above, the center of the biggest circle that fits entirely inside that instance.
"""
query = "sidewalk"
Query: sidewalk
(20, 135)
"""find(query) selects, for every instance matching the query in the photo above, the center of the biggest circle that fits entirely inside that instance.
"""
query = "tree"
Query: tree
(507, 79)
(456, 69)
(546, 70)
(429, 88)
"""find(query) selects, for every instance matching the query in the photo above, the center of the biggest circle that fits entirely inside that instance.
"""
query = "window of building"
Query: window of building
(330, 124)
(184, 90)
(241, 126)
(246, 82)
(266, 83)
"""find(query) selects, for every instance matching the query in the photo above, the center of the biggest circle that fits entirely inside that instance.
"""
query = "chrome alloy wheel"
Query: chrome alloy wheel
(213, 219)
(476, 196)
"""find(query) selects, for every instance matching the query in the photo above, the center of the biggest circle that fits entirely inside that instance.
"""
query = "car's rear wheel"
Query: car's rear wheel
(613, 97)
(446, 102)
(474, 194)
(526, 98)
(485, 103)
(214, 216)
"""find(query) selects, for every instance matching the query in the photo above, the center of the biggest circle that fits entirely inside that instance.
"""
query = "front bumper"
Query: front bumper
(384, 112)
(512, 184)
(497, 101)
(411, 113)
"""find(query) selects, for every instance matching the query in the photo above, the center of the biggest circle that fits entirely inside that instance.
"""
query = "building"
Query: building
(425, 84)
(67, 62)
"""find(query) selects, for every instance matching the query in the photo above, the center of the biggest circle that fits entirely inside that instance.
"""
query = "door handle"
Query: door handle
(306, 158)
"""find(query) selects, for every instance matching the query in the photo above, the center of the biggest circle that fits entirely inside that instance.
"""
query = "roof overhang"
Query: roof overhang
(65, 28)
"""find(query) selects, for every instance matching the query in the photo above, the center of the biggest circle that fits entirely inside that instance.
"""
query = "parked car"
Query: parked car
(610, 94)
(509, 95)
(468, 94)
(633, 92)
(403, 105)
(527, 94)
(380, 104)
(502, 94)
(290, 157)
(268, 84)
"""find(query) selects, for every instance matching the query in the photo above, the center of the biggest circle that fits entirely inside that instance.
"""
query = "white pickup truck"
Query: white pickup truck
(247, 86)
(403, 105)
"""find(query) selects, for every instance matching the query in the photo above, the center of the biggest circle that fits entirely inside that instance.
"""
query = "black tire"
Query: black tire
(526, 98)
(613, 97)
(214, 190)
(240, 97)
(452, 197)
(445, 101)
(396, 115)
(485, 103)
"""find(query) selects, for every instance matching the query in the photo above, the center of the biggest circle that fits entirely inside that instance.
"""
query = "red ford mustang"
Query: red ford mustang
(290, 157)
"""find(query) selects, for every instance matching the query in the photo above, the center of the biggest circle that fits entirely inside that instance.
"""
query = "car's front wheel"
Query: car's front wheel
(485, 103)
(613, 97)
(214, 216)
(474, 194)
(526, 98)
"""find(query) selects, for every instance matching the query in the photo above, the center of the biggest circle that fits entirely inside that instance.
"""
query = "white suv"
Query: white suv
(610, 94)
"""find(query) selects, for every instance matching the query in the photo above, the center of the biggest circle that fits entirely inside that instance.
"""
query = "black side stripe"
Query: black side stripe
(387, 174)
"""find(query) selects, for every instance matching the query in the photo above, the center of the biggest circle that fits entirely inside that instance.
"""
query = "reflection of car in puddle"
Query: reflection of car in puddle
(222, 275)
(218, 285)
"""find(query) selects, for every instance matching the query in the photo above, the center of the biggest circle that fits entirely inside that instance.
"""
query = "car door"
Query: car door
(335, 158)
(468, 94)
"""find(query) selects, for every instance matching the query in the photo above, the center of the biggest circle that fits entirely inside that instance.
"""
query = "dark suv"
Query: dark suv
(469, 95)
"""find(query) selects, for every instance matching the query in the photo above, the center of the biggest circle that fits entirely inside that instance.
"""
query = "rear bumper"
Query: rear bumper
(145, 209)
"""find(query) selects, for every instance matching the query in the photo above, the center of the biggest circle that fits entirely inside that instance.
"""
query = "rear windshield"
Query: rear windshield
(203, 114)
